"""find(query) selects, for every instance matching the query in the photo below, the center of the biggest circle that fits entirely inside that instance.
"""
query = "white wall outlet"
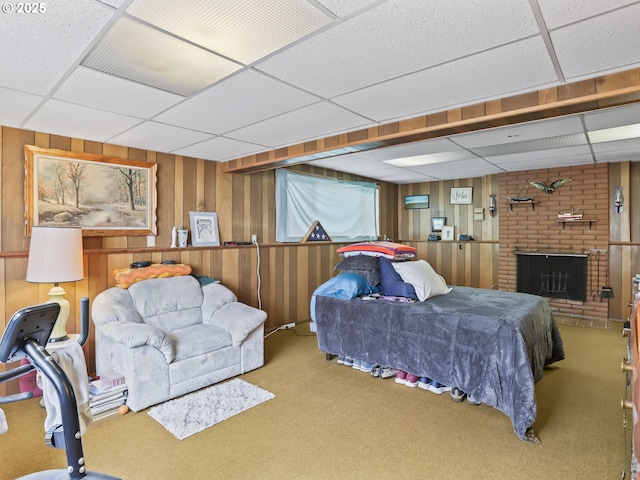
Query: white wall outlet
(254, 238)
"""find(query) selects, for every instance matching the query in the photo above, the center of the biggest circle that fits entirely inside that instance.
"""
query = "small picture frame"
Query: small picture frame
(447, 233)
(437, 223)
(461, 195)
(204, 229)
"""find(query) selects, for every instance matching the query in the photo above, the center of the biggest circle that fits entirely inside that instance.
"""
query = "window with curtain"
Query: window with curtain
(348, 210)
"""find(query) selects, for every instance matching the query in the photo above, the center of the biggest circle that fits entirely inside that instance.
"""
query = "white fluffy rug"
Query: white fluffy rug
(196, 411)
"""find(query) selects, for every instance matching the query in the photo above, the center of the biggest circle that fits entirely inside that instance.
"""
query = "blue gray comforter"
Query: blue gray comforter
(493, 345)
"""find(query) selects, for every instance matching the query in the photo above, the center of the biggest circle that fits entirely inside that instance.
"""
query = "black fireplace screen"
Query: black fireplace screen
(553, 275)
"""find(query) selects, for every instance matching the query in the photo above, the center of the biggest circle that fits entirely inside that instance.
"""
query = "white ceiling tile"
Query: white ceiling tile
(60, 118)
(598, 44)
(462, 166)
(319, 120)
(112, 3)
(520, 133)
(631, 155)
(245, 98)
(159, 137)
(219, 149)
(356, 164)
(540, 163)
(518, 67)
(342, 8)
(99, 90)
(406, 150)
(613, 117)
(558, 13)
(15, 106)
(404, 177)
(37, 49)
(506, 161)
(410, 35)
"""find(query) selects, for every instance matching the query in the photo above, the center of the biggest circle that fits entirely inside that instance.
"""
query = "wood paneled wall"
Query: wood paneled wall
(471, 263)
(245, 204)
(624, 234)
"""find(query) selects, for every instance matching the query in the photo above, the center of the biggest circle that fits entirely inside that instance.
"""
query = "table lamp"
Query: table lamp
(55, 256)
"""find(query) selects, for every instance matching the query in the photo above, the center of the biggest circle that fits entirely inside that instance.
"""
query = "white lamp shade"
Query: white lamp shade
(55, 255)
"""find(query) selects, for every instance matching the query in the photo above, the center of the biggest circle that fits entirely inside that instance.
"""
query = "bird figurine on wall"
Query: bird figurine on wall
(543, 187)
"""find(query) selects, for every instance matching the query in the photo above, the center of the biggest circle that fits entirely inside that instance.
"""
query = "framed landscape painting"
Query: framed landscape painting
(105, 196)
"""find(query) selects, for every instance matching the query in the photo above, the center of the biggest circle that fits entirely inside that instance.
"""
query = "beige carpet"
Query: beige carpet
(331, 421)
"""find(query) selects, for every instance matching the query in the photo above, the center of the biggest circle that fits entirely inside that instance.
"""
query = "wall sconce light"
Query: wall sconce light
(493, 206)
(55, 256)
(618, 200)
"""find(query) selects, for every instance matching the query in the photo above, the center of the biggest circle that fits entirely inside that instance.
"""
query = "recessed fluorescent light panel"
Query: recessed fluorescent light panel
(431, 158)
(242, 30)
(616, 133)
(143, 55)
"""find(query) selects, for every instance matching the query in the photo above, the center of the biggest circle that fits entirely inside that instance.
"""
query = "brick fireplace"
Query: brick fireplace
(535, 228)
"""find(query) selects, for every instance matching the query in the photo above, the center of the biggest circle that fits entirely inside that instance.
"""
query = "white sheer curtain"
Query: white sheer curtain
(348, 211)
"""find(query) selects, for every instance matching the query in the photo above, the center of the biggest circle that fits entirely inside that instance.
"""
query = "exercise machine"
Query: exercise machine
(26, 335)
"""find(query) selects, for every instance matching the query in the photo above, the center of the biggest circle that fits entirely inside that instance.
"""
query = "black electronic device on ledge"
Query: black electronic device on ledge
(433, 237)
(465, 238)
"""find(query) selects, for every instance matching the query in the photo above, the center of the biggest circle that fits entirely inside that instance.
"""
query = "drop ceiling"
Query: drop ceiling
(223, 79)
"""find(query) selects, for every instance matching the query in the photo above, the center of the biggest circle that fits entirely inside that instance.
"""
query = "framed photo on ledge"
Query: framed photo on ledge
(447, 233)
(437, 223)
(204, 229)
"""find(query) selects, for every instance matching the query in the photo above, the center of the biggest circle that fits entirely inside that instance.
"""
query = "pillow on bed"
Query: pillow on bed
(391, 283)
(346, 285)
(426, 282)
(365, 265)
(392, 250)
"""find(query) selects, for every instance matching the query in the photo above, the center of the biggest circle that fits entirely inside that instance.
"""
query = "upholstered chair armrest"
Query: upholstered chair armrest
(239, 319)
(215, 296)
(137, 334)
(114, 305)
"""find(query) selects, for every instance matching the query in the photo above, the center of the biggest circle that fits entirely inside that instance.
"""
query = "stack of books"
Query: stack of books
(105, 399)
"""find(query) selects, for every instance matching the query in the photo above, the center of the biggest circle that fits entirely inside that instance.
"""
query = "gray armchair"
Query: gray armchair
(171, 336)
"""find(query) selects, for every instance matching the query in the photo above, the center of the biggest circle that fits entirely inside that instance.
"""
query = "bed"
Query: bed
(491, 344)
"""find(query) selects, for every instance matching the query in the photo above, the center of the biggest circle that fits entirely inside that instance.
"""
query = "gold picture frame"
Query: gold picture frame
(105, 196)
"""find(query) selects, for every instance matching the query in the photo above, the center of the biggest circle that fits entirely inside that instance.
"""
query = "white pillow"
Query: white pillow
(426, 282)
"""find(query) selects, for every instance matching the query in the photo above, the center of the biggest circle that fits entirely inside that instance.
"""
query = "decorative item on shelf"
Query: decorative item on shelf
(549, 189)
(183, 235)
(493, 206)
(55, 256)
(437, 223)
(204, 229)
(174, 237)
(570, 215)
(618, 200)
(317, 233)
(522, 196)
(447, 233)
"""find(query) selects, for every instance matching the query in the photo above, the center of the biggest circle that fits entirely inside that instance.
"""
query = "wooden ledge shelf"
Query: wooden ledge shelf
(511, 203)
(563, 222)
